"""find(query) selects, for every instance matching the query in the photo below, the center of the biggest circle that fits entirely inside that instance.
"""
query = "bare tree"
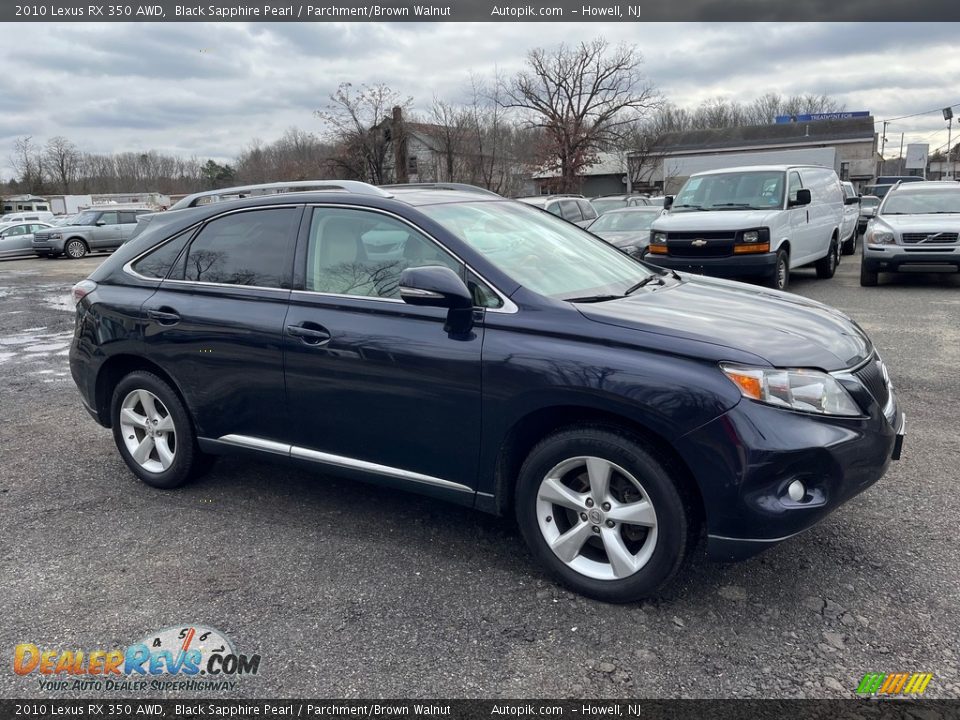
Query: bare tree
(582, 98)
(352, 119)
(453, 127)
(28, 162)
(63, 160)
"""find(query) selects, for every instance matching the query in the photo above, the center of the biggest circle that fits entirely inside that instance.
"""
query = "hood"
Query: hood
(694, 220)
(786, 330)
(622, 239)
(948, 222)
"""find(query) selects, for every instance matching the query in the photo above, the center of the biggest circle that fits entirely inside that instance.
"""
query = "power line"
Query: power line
(926, 112)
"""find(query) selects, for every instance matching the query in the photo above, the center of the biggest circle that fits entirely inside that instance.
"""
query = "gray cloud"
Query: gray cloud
(208, 89)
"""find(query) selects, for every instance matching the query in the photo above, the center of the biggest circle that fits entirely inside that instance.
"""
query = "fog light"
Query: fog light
(796, 491)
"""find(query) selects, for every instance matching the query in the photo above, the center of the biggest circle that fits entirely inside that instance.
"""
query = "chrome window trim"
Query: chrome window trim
(302, 453)
(508, 306)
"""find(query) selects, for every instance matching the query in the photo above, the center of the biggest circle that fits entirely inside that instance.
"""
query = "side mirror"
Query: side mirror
(668, 202)
(434, 286)
(803, 197)
(100, 223)
(852, 201)
(439, 286)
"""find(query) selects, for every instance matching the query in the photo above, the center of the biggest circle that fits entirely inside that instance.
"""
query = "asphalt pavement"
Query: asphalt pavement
(348, 590)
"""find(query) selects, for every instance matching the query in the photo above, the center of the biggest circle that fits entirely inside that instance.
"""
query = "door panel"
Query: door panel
(107, 236)
(369, 377)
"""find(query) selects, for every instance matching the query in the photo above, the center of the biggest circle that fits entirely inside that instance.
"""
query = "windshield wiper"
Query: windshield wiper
(594, 298)
(732, 205)
(642, 283)
(698, 207)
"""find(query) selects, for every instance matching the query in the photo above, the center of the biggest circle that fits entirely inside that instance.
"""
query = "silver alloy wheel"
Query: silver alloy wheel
(597, 518)
(148, 431)
(76, 249)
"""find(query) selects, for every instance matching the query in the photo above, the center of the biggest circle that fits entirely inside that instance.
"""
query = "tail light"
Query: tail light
(82, 289)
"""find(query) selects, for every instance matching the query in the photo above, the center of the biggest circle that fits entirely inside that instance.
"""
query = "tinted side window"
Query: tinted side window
(569, 210)
(355, 252)
(246, 248)
(128, 217)
(108, 218)
(157, 264)
(586, 209)
(554, 209)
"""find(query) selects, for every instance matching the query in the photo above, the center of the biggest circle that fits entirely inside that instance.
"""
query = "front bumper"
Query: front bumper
(900, 258)
(733, 266)
(745, 460)
(48, 247)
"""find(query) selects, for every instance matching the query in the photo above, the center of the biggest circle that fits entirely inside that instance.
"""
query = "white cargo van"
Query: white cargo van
(755, 222)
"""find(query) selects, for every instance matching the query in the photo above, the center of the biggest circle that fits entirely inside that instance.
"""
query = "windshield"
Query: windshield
(753, 190)
(85, 218)
(602, 205)
(923, 203)
(869, 202)
(541, 252)
(625, 221)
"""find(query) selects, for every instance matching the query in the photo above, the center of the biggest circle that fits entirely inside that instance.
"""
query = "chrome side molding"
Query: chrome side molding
(301, 453)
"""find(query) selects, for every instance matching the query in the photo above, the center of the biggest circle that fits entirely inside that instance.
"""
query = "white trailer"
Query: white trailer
(68, 204)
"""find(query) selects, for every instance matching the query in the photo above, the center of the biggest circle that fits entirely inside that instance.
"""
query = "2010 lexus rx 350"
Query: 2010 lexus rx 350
(479, 350)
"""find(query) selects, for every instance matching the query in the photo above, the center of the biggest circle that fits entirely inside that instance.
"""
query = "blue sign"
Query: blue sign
(822, 116)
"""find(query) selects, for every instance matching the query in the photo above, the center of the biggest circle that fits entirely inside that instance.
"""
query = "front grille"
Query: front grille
(873, 377)
(945, 238)
(718, 243)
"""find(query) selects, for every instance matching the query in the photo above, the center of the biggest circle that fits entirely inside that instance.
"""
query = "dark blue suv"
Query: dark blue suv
(480, 350)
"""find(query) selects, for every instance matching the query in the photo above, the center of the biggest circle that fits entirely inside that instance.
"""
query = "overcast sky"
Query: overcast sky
(207, 89)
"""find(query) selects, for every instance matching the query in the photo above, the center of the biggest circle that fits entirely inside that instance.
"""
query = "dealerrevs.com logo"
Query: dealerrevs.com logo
(188, 657)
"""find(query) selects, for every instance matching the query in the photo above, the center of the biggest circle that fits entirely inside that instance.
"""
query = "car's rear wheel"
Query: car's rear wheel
(780, 278)
(827, 266)
(850, 246)
(602, 514)
(868, 277)
(75, 249)
(153, 432)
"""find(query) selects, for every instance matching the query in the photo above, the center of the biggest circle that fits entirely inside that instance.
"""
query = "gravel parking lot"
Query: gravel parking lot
(352, 591)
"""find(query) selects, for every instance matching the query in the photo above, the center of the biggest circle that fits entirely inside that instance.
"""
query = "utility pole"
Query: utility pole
(900, 165)
(883, 145)
(948, 116)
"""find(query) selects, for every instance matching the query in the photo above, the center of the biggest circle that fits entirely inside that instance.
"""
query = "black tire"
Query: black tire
(850, 246)
(676, 526)
(868, 278)
(188, 462)
(827, 265)
(780, 279)
(75, 248)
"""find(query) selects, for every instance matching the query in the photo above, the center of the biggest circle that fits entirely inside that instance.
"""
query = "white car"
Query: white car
(759, 222)
(851, 215)
(915, 229)
(16, 238)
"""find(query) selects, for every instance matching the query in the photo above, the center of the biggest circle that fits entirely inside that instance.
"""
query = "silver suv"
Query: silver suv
(89, 231)
(572, 208)
(915, 229)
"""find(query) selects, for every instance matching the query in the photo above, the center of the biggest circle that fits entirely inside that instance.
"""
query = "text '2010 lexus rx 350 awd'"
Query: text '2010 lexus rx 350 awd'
(476, 349)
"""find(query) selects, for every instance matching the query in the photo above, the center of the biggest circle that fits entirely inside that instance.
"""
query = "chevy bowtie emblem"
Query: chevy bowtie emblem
(699, 242)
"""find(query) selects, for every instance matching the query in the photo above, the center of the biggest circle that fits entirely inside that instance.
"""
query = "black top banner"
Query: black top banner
(481, 11)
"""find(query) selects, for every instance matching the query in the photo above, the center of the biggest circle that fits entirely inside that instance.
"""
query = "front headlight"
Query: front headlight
(793, 388)
(881, 237)
(658, 237)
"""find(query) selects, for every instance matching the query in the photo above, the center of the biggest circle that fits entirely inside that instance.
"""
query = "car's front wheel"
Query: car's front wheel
(75, 249)
(850, 246)
(602, 514)
(780, 278)
(868, 277)
(153, 432)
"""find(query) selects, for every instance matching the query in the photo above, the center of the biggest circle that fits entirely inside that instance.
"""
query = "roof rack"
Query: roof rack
(242, 191)
(444, 186)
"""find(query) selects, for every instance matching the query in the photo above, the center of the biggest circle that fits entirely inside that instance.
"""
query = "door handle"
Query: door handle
(315, 335)
(164, 317)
